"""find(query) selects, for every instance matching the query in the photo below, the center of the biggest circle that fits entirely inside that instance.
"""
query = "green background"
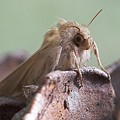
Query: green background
(23, 23)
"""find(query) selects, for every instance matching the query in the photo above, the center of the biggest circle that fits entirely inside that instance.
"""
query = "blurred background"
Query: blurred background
(23, 23)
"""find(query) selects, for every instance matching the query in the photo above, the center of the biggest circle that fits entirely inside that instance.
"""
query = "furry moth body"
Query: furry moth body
(66, 46)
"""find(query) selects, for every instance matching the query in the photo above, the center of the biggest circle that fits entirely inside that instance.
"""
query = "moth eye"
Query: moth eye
(78, 40)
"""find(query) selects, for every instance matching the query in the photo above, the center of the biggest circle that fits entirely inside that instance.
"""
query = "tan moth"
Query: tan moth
(66, 46)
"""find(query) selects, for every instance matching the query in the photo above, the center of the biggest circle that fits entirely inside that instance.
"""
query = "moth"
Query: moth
(66, 46)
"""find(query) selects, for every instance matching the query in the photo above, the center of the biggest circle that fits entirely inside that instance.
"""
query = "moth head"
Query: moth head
(75, 34)
(80, 42)
(82, 38)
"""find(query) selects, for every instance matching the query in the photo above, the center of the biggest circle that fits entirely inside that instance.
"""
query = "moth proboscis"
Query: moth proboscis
(66, 46)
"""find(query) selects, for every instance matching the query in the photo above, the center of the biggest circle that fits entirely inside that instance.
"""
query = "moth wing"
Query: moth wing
(41, 63)
(18, 77)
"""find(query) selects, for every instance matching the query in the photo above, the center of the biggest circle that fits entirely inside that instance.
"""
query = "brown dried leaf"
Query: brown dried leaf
(114, 71)
(61, 98)
(8, 107)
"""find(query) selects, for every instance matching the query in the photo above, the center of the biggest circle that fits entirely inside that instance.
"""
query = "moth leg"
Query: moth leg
(29, 90)
(96, 52)
(78, 68)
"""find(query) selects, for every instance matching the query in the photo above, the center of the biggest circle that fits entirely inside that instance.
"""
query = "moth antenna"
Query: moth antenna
(94, 17)
(75, 27)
